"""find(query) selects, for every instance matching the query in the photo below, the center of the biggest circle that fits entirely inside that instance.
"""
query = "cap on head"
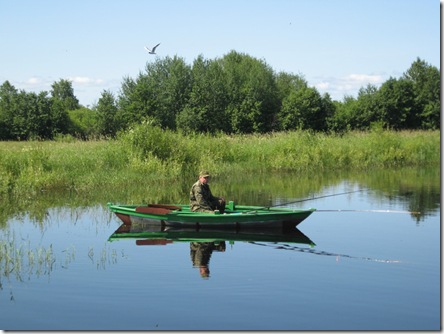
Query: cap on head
(204, 173)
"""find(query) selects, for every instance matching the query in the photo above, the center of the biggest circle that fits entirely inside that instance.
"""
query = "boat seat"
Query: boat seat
(165, 206)
(152, 210)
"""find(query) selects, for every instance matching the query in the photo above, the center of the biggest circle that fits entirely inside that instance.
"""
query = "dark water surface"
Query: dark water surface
(364, 270)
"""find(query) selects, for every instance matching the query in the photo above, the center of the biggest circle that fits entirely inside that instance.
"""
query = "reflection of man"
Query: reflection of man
(200, 253)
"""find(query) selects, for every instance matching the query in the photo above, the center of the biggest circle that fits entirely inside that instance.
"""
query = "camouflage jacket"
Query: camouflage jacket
(201, 198)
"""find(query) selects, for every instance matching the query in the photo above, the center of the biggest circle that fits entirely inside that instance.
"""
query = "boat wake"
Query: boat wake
(316, 252)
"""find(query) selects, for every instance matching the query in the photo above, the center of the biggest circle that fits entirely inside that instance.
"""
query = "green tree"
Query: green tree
(367, 108)
(344, 117)
(107, 114)
(83, 123)
(8, 95)
(63, 92)
(175, 92)
(63, 100)
(20, 124)
(41, 117)
(27, 114)
(252, 93)
(426, 82)
(287, 83)
(396, 104)
(329, 109)
(160, 93)
(59, 118)
(133, 100)
(303, 109)
(206, 107)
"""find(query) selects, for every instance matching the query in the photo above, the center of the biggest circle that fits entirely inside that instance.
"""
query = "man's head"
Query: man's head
(204, 176)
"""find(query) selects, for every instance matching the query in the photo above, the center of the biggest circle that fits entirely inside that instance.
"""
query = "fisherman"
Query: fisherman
(201, 198)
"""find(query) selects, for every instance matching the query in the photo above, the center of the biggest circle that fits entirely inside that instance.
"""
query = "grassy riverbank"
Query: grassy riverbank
(153, 156)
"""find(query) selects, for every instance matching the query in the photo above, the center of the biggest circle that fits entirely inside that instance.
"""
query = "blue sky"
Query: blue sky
(339, 46)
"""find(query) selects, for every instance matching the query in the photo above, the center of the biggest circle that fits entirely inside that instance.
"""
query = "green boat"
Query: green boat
(146, 235)
(235, 216)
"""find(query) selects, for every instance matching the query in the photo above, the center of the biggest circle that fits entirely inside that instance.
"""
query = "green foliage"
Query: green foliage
(303, 109)
(60, 122)
(426, 82)
(252, 93)
(83, 123)
(147, 139)
(108, 122)
(161, 93)
(396, 101)
(148, 153)
(367, 110)
(344, 119)
(205, 110)
(236, 94)
(32, 167)
(286, 83)
(63, 92)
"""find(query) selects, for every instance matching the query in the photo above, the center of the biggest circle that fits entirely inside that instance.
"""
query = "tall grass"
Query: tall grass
(149, 155)
(21, 260)
(291, 151)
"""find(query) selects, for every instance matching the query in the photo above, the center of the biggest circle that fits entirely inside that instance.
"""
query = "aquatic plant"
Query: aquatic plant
(20, 260)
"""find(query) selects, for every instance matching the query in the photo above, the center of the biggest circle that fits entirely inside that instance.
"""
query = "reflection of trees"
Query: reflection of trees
(200, 253)
(424, 200)
(418, 189)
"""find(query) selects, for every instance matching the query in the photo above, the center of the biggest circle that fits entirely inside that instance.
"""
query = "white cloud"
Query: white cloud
(365, 78)
(34, 81)
(86, 80)
(322, 85)
(338, 87)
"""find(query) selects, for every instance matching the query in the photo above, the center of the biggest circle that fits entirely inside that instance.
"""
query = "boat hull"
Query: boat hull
(235, 216)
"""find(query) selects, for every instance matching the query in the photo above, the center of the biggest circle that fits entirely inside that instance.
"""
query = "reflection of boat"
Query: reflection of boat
(146, 234)
(234, 216)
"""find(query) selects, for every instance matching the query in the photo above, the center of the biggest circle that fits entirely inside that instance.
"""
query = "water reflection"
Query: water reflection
(324, 253)
(200, 253)
(148, 234)
(203, 242)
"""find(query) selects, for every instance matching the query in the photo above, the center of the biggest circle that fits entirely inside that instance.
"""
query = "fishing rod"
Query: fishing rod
(308, 199)
(342, 210)
(311, 198)
(382, 211)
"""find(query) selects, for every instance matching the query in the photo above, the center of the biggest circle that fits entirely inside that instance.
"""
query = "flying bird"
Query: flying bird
(153, 50)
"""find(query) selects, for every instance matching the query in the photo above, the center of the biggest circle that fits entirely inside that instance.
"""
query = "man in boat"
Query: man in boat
(201, 198)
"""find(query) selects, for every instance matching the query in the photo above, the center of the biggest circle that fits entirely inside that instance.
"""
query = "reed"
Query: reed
(21, 261)
(149, 156)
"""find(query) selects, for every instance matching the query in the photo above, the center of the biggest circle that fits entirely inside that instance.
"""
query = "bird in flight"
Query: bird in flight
(153, 50)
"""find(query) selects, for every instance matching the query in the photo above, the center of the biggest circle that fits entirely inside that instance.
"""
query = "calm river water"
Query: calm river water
(351, 268)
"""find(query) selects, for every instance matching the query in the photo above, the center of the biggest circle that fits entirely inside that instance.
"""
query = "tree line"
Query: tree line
(233, 94)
